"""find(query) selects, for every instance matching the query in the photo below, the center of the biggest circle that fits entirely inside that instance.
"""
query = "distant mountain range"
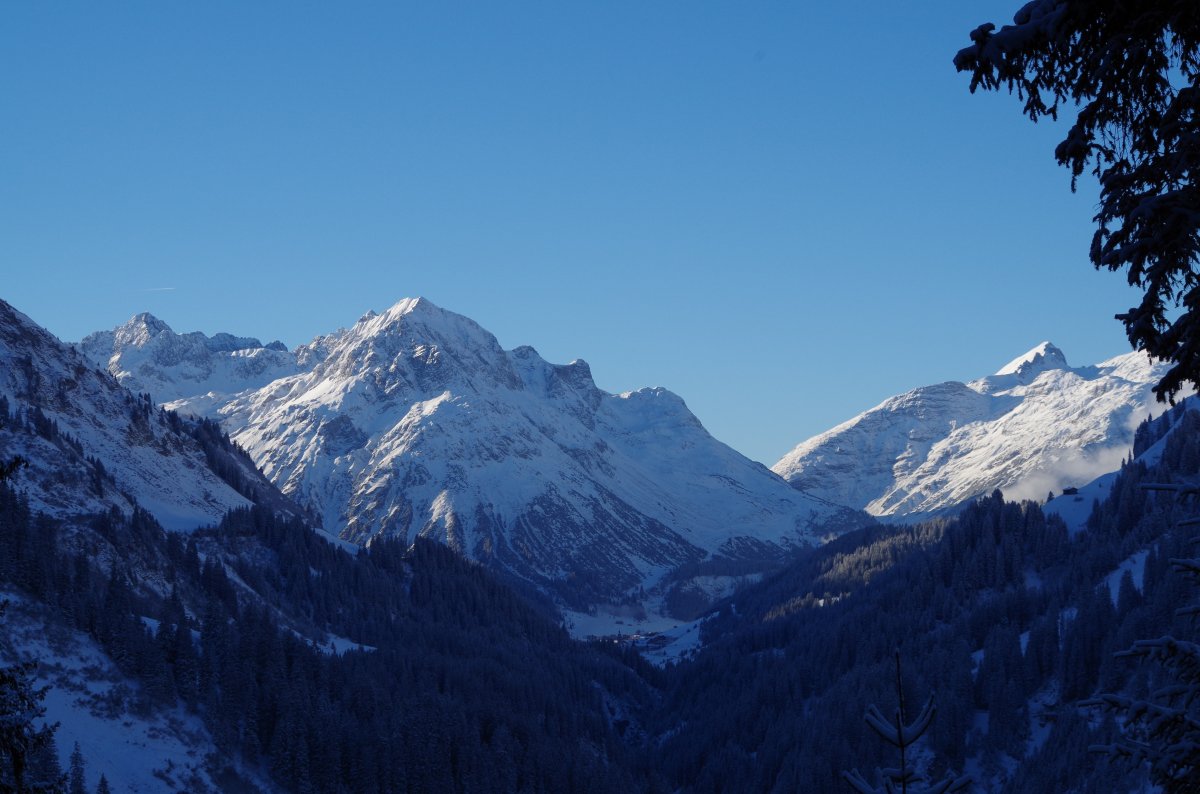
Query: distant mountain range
(147, 357)
(1037, 425)
(415, 422)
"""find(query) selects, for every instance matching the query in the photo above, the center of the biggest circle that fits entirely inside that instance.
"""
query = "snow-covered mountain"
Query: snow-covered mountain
(147, 357)
(416, 422)
(1037, 425)
(91, 445)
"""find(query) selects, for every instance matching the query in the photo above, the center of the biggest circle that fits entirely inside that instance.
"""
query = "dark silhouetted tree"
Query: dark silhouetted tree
(1133, 70)
(902, 735)
(75, 779)
(1163, 729)
(22, 741)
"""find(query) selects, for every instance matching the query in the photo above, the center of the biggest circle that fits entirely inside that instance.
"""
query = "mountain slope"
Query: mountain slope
(92, 446)
(415, 422)
(1037, 425)
(1003, 613)
(255, 649)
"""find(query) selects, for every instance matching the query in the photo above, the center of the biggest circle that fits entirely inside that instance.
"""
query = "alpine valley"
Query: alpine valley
(369, 564)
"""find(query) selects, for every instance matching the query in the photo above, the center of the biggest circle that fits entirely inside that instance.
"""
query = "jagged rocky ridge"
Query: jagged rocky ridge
(1037, 425)
(415, 422)
(146, 356)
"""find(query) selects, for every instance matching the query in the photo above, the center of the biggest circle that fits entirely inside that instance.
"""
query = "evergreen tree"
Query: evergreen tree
(10, 466)
(902, 735)
(1164, 728)
(75, 779)
(1134, 70)
(22, 743)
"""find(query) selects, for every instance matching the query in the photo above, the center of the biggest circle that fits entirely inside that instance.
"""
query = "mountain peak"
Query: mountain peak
(403, 312)
(421, 320)
(425, 312)
(1036, 425)
(1042, 357)
(147, 356)
(146, 320)
(411, 306)
(138, 330)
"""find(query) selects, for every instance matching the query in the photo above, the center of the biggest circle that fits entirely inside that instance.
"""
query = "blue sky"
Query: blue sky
(783, 211)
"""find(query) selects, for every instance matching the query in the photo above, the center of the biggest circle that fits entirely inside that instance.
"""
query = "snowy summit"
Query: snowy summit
(1037, 425)
(1044, 356)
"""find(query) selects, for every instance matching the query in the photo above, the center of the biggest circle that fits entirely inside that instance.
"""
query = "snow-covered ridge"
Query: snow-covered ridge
(1037, 425)
(1044, 356)
(146, 356)
(92, 445)
(415, 421)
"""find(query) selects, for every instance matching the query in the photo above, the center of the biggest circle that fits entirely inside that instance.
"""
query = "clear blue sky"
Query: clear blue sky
(783, 211)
